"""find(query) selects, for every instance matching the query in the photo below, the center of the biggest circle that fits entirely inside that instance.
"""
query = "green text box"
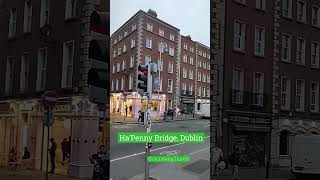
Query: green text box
(179, 159)
(160, 137)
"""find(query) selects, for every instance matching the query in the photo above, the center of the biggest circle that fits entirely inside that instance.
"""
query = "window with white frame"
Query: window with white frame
(315, 54)
(184, 73)
(191, 60)
(208, 92)
(237, 86)
(190, 74)
(122, 83)
(208, 78)
(170, 67)
(199, 52)
(300, 87)
(286, 47)
(190, 89)
(199, 63)
(259, 41)
(184, 88)
(133, 27)
(172, 37)
(185, 46)
(125, 48)
(12, 22)
(149, 27)
(9, 75)
(261, 4)
(125, 34)
(208, 66)
(285, 93)
(160, 64)
(203, 91)
(301, 10)
(287, 8)
(171, 51)
(185, 58)
(120, 37)
(115, 41)
(314, 98)
(118, 67)
(70, 9)
(204, 77)
(315, 16)
(119, 51)
(191, 49)
(147, 59)
(258, 85)
(112, 85)
(44, 12)
(149, 43)
(199, 76)
(133, 43)
(24, 72)
(300, 59)
(204, 65)
(239, 36)
(170, 85)
(132, 61)
(123, 65)
(27, 17)
(67, 67)
(161, 32)
(199, 91)
(42, 68)
(117, 84)
(204, 54)
(114, 54)
(114, 69)
(157, 88)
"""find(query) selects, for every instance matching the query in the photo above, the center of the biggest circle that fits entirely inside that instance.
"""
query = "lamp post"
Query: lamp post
(159, 76)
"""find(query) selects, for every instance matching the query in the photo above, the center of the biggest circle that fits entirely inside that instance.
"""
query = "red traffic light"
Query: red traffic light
(143, 68)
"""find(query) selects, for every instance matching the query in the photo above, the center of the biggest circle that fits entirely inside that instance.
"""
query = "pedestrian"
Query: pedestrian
(217, 156)
(13, 158)
(26, 161)
(64, 149)
(100, 163)
(234, 160)
(126, 110)
(140, 116)
(130, 109)
(52, 152)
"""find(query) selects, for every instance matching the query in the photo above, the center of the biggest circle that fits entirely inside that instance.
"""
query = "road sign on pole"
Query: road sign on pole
(49, 99)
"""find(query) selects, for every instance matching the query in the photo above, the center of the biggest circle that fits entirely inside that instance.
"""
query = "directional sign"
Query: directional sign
(47, 118)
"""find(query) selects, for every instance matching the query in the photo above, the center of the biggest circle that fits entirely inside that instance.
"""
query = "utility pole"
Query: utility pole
(159, 73)
(148, 119)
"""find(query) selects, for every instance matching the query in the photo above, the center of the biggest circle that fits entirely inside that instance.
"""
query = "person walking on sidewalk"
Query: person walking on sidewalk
(126, 111)
(100, 163)
(217, 157)
(52, 152)
(234, 161)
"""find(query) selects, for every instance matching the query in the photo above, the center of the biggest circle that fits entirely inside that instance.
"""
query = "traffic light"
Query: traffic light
(143, 79)
(99, 57)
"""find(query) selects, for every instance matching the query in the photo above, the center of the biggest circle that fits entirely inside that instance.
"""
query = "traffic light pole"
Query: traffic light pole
(148, 120)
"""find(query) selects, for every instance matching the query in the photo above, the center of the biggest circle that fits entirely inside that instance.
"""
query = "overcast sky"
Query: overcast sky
(192, 17)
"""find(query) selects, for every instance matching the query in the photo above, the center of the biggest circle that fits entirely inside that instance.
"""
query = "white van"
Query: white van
(306, 155)
(204, 110)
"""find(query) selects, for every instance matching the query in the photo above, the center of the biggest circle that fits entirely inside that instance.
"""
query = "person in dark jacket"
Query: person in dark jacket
(100, 163)
(52, 152)
(234, 160)
(64, 149)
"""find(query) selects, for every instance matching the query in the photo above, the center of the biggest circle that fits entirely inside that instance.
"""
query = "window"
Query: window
(285, 93)
(171, 51)
(67, 68)
(300, 51)
(185, 58)
(12, 22)
(315, 54)
(125, 34)
(199, 91)
(286, 48)
(208, 92)
(147, 59)
(191, 49)
(71, 9)
(314, 98)
(199, 64)
(185, 46)
(117, 84)
(115, 41)
(204, 65)
(190, 74)
(208, 56)
(300, 95)
(204, 54)
(284, 143)
(261, 4)
(149, 27)
(27, 18)
(258, 84)
(170, 67)
(149, 43)
(172, 37)
(287, 8)
(208, 66)
(199, 76)
(125, 48)
(184, 73)
(118, 67)
(133, 27)
(301, 10)
(9, 75)
(208, 78)
(120, 38)
(133, 43)
(203, 92)
(42, 68)
(237, 86)
(259, 41)
(204, 77)
(160, 64)
(190, 89)
(123, 65)
(114, 69)
(112, 85)
(114, 54)
(24, 73)
(239, 36)
(119, 51)
(315, 16)
(184, 88)
(191, 60)
(200, 53)
(161, 32)
(132, 61)
(170, 85)
(44, 12)
(157, 88)
(122, 83)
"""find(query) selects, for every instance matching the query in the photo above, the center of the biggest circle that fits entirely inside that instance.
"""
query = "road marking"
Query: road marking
(137, 154)
(198, 151)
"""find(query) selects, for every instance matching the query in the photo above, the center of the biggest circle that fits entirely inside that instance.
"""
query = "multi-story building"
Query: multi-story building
(137, 42)
(265, 84)
(31, 63)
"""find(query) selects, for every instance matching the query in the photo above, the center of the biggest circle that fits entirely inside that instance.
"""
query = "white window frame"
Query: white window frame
(185, 58)
(161, 32)
(199, 76)
(118, 67)
(122, 83)
(119, 51)
(315, 21)
(147, 59)
(190, 89)
(12, 22)
(125, 34)
(149, 43)
(133, 27)
(237, 86)
(184, 72)
(133, 43)
(123, 65)
(124, 47)
(114, 54)
(24, 72)
(112, 85)
(117, 84)
(131, 61)
(170, 67)
(239, 37)
(9, 74)
(261, 4)
(208, 92)
(160, 64)
(27, 18)
(131, 77)
(258, 88)
(300, 95)
(113, 68)
(42, 70)
(285, 93)
(286, 45)
(171, 51)
(44, 12)
(172, 37)
(191, 60)
(301, 16)
(208, 78)
(67, 67)
(191, 49)
(190, 74)
(149, 27)
(314, 97)
(259, 47)
(203, 91)
(70, 9)
(315, 49)
(287, 8)
(170, 86)
(204, 78)
(301, 49)
(184, 88)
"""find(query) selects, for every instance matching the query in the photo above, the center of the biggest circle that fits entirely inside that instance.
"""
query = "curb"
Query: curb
(155, 121)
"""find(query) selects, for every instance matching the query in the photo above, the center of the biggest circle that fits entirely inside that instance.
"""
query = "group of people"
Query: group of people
(66, 150)
(100, 162)
(14, 160)
(219, 161)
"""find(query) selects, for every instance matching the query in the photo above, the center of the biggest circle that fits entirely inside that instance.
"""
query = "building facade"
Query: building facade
(266, 74)
(32, 63)
(138, 42)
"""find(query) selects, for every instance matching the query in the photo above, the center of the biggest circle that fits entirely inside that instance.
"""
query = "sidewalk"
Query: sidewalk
(130, 120)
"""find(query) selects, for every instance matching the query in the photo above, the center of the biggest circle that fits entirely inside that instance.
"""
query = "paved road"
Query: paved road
(127, 160)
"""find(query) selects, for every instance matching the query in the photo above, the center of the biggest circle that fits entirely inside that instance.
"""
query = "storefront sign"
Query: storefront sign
(62, 108)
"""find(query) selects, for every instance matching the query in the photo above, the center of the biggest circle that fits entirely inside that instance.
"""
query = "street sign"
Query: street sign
(49, 99)
(47, 118)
